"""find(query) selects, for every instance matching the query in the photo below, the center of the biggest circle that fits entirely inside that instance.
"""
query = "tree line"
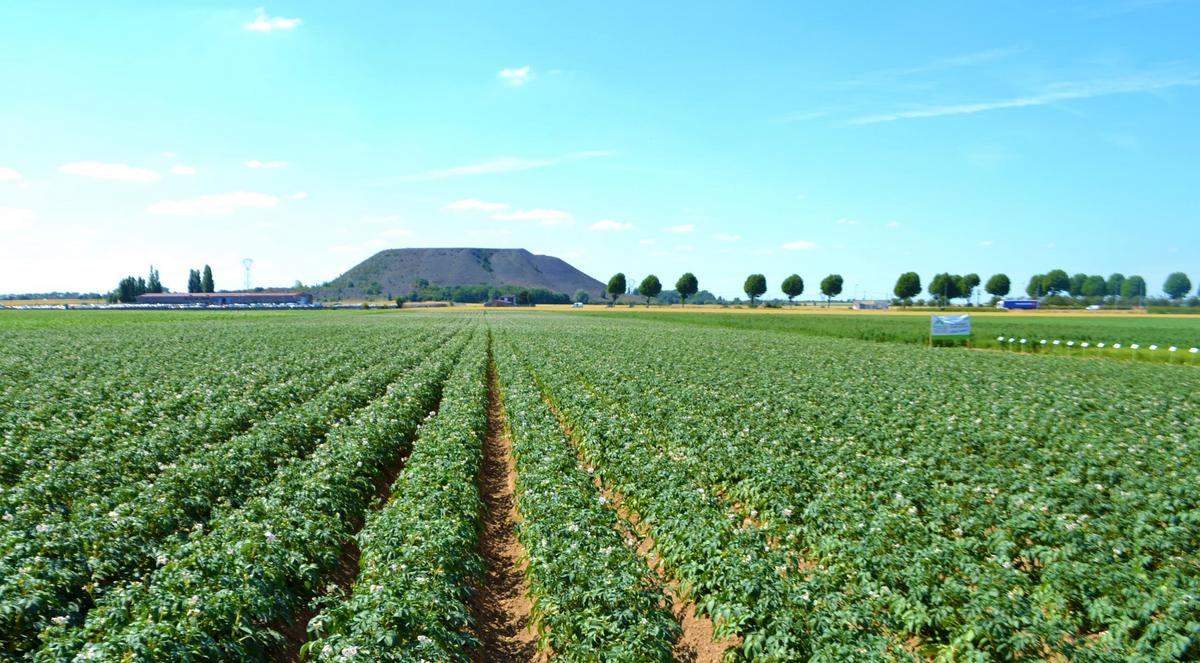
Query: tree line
(130, 287)
(688, 286)
(946, 287)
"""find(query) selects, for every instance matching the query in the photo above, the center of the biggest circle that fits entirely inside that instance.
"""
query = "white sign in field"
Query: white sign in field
(950, 325)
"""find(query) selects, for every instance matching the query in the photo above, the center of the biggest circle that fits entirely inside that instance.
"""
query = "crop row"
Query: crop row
(57, 569)
(1035, 518)
(226, 592)
(595, 598)
(418, 553)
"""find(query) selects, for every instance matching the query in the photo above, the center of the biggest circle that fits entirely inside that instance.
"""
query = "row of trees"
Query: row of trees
(946, 287)
(130, 287)
(201, 283)
(687, 286)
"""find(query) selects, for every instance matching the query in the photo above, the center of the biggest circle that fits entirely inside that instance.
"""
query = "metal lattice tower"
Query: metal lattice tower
(247, 262)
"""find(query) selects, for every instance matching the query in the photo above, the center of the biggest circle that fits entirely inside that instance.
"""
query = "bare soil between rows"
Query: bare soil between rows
(501, 606)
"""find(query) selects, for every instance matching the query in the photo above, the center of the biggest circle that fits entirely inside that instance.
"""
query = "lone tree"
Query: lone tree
(616, 287)
(944, 287)
(207, 280)
(755, 286)
(998, 286)
(650, 288)
(831, 286)
(686, 286)
(793, 287)
(907, 287)
(194, 284)
(1133, 287)
(967, 285)
(581, 296)
(1177, 285)
(1094, 286)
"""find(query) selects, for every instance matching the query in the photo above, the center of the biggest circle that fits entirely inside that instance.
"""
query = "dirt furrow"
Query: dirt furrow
(502, 606)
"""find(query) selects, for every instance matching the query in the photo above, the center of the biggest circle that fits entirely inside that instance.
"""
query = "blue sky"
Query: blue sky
(721, 139)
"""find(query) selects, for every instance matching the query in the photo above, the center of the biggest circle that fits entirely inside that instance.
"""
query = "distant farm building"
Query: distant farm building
(871, 304)
(504, 300)
(225, 298)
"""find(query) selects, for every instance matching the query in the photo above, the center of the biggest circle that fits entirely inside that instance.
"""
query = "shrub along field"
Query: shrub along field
(322, 486)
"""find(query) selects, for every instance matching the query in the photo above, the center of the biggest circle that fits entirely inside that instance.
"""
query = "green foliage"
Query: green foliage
(793, 286)
(1075, 284)
(194, 282)
(153, 283)
(1036, 287)
(616, 286)
(998, 285)
(649, 288)
(1177, 285)
(1094, 286)
(907, 286)
(754, 287)
(686, 286)
(206, 281)
(967, 285)
(1055, 281)
(945, 287)
(1113, 285)
(831, 286)
(581, 297)
(1133, 287)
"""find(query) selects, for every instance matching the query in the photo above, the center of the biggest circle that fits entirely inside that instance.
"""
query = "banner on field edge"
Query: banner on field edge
(950, 325)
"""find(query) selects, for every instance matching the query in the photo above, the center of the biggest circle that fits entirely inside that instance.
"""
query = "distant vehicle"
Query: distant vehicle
(577, 305)
(1094, 307)
(1018, 304)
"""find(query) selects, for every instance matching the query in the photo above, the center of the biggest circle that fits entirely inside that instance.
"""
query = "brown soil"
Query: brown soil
(295, 630)
(501, 607)
(695, 644)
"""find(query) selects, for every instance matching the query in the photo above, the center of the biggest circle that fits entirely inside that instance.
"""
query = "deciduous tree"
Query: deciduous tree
(207, 280)
(831, 286)
(793, 287)
(650, 287)
(754, 287)
(999, 285)
(616, 286)
(1177, 285)
(907, 287)
(686, 286)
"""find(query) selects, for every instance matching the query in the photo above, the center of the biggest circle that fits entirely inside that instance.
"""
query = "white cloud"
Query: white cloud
(645, 242)
(681, 228)
(9, 175)
(518, 76)
(1051, 94)
(610, 225)
(182, 170)
(893, 224)
(15, 218)
(264, 23)
(477, 205)
(847, 222)
(109, 171)
(221, 204)
(986, 242)
(269, 165)
(800, 245)
(299, 195)
(499, 165)
(396, 232)
(725, 237)
(547, 217)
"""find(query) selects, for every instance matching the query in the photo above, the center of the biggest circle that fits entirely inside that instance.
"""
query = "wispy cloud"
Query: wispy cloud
(15, 218)
(546, 217)
(182, 170)
(986, 242)
(299, 195)
(941, 64)
(517, 76)
(264, 23)
(1051, 94)
(109, 171)
(611, 226)
(893, 224)
(847, 222)
(681, 228)
(725, 237)
(9, 175)
(799, 245)
(498, 165)
(477, 205)
(266, 165)
(802, 116)
(221, 204)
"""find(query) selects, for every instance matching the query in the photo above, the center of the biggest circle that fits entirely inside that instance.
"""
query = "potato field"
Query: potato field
(510, 486)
